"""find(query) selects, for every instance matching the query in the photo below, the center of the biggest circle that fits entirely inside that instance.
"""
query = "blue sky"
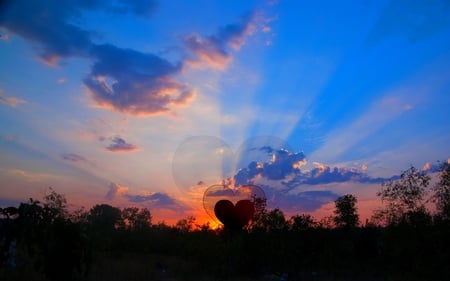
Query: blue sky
(149, 102)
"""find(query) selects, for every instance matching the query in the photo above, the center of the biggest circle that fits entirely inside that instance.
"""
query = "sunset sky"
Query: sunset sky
(148, 103)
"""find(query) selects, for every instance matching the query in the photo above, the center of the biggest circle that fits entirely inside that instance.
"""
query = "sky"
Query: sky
(152, 103)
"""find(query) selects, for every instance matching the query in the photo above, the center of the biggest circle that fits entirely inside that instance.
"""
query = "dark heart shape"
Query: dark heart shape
(234, 216)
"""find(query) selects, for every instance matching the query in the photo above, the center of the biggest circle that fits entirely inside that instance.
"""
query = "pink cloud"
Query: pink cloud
(115, 190)
(214, 51)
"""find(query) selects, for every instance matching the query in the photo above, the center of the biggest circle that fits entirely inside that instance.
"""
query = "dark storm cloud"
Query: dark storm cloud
(120, 145)
(141, 83)
(212, 51)
(72, 157)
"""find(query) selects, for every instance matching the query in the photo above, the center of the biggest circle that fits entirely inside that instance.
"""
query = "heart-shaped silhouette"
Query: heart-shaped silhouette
(204, 161)
(234, 216)
(234, 208)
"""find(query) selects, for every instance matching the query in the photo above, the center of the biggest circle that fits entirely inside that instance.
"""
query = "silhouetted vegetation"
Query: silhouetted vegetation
(404, 241)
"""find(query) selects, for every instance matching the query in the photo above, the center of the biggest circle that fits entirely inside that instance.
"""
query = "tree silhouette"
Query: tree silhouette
(405, 198)
(105, 218)
(442, 192)
(49, 240)
(185, 225)
(346, 215)
(136, 218)
(270, 221)
(301, 222)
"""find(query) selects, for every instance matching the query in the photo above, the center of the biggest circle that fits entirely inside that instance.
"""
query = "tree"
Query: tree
(302, 222)
(136, 219)
(346, 212)
(185, 225)
(54, 244)
(105, 217)
(269, 221)
(55, 205)
(442, 192)
(404, 198)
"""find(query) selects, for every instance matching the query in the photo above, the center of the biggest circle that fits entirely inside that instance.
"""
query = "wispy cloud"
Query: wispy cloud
(156, 199)
(118, 144)
(152, 200)
(10, 101)
(343, 139)
(213, 51)
(72, 157)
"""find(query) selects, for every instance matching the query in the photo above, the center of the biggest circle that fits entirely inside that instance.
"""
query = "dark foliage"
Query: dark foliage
(42, 241)
(346, 214)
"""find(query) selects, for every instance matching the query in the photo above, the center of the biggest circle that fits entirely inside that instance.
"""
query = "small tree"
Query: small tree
(55, 205)
(404, 198)
(346, 212)
(185, 225)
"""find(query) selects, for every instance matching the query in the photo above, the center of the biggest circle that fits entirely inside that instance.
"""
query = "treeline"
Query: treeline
(42, 240)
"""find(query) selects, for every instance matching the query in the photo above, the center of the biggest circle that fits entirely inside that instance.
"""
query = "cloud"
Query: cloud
(50, 24)
(10, 101)
(307, 201)
(433, 167)
(62, 80)
(121, 79)
(115, 190)
(284, 175)
(156, 199)
(4, 37)
(152, 200)
(140, 84)
(72, 157)
(282, 164)
(120, 145)
(213, 51)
